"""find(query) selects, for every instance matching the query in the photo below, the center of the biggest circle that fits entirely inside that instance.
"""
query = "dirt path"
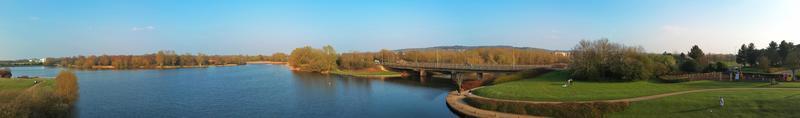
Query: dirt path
(29, 89)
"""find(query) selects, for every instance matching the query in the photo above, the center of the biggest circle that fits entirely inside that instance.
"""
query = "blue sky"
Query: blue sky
(56, 28)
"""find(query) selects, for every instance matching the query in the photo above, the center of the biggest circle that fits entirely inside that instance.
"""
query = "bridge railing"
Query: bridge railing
(466, 66)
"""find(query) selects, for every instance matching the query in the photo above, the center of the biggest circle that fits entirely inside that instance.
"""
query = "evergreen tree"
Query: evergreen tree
(752, 54)
(696, 52)
(783, 50)
(741, 57)
(772, 53)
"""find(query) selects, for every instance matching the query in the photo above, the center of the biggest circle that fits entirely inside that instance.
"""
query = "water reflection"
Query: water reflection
(250, 91)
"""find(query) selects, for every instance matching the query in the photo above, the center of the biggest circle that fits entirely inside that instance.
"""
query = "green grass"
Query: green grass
(10, 88)
(548, 87)
(367, 73)
(738, 103)
(519, 76)
(15, 84)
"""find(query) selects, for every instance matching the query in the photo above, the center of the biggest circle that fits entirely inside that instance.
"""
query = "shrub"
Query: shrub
(5, 73)
(565, 110)
(663, 64)
(690, 66)
(719, 67)
(673, 79)
(67, 86)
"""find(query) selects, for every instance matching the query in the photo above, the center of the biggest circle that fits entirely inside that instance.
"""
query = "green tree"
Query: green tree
(783, 50)
(696, 52)
(663, 64)
(752, 54)
(741, 56)
(793, 60)
(772, 54)
(690, 66)
(605, 61)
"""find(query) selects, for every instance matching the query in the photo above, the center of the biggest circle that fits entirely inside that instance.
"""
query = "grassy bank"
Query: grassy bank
(548, 87)
(23, 99)
(11, 88)
(738, 103)
(367, 73)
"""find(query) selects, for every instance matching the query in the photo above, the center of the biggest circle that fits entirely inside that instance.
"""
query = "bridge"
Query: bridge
(458, 72)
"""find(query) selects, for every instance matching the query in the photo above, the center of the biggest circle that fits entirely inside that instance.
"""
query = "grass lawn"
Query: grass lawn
(738, 103)
(10, 88)
(548, 87)
(367, 73)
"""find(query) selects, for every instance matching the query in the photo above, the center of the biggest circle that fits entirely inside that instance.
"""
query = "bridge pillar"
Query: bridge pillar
(480, 76)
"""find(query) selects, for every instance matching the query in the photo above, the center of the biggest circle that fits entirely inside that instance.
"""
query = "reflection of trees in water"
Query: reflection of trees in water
(308, 84)
(442, 84)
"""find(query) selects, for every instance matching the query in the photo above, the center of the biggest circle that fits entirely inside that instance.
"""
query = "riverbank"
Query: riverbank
(152, 67)
(11, 88)
(361, 73)
(266, 62)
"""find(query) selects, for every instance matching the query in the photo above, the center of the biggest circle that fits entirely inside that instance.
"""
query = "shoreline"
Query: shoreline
(266, 62)
(146, 68)
(380, 74)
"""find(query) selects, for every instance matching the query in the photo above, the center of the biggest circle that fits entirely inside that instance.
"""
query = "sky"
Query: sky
(58, 28)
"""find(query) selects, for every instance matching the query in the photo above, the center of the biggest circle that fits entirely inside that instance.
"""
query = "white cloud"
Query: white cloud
(145, 28)
(33, 18)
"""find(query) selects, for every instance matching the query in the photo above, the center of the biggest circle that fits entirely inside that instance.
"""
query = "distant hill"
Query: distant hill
(460, 48)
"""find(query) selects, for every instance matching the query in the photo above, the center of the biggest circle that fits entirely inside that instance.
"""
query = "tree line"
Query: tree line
(775, 55)
(601, 60)
(159, 59)
(785, 54)
(491, 56)
(326, 59)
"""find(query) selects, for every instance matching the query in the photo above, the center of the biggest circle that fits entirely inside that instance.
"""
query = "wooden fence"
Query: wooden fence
(720, 76)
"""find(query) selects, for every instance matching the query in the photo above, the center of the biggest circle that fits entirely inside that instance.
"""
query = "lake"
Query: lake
(249, 91)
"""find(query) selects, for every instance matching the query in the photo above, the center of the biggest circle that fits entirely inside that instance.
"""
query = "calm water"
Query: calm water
(249, 91)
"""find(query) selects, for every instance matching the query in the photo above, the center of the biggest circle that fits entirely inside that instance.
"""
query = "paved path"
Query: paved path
(457, 102)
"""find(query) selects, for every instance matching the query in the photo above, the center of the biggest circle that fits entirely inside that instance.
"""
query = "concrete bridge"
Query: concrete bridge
(458, 72)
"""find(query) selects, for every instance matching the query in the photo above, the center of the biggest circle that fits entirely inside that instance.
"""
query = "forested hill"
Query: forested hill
(461, 48)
